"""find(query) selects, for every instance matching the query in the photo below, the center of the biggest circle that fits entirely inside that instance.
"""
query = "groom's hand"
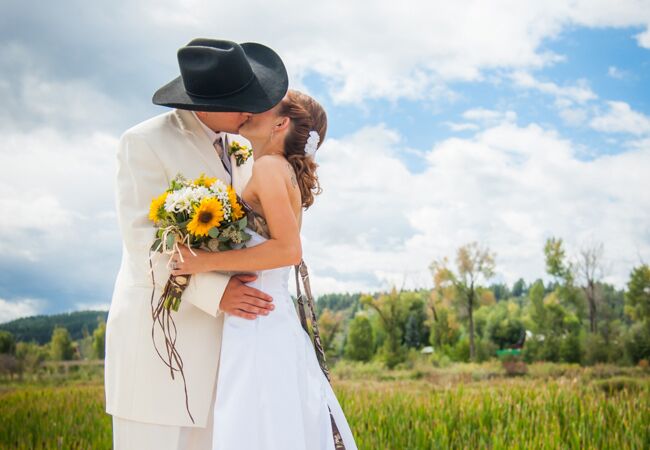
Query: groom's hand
(245, 301)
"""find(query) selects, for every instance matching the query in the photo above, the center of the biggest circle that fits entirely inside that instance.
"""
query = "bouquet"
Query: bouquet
(203, 213)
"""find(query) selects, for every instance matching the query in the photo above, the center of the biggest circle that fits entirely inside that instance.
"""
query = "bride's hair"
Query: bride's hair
(306, 115)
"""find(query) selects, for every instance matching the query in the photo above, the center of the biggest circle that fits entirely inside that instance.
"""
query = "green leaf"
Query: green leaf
(242, 223)
(157, 246)
(214, 232)
(171, 238)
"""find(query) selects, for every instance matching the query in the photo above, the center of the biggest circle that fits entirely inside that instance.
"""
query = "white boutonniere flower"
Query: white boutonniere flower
(241, 152)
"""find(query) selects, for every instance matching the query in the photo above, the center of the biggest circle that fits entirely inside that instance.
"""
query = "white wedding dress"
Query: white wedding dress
(271, 391)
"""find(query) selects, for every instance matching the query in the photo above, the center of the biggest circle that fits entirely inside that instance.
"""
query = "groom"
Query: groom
(221, 85)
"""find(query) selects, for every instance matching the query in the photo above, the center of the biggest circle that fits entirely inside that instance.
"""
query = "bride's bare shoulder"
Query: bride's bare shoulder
(270, 166)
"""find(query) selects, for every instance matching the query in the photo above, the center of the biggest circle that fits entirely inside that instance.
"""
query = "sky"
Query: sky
(504, 122)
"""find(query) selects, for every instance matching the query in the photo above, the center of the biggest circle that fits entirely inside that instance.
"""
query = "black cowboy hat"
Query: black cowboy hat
(219, 75)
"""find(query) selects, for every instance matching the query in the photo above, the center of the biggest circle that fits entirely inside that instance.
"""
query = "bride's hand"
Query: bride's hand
(191, 263)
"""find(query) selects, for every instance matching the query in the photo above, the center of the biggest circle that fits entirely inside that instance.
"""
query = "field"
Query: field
(462, 406)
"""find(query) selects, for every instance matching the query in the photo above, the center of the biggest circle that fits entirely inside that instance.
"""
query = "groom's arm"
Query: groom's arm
(141, 177)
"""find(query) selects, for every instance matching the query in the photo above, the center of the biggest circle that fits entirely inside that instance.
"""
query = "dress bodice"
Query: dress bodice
(256, 221)
(270, 280)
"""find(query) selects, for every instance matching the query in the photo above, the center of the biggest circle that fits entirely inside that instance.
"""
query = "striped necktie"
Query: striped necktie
(218, 145)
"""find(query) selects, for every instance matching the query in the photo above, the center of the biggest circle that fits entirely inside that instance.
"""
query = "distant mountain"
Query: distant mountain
(39, 328)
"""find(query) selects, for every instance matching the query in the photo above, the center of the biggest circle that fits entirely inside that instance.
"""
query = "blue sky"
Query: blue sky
(504, 124)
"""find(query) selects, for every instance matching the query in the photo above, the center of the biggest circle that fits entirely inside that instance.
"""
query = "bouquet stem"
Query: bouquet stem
(173, 291)
(169, 300)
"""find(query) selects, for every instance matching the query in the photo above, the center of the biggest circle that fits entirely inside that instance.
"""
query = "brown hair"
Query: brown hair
(306, 115)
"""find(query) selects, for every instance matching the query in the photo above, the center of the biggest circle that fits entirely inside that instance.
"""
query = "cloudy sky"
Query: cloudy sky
(503, 122)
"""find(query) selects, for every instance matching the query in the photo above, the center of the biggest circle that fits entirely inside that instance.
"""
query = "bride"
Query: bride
(291, 405)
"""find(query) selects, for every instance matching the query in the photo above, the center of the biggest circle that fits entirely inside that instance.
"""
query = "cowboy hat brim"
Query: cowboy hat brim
(268, 86)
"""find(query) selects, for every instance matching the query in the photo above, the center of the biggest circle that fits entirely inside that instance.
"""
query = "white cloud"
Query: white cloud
(621, 118)
(644, 39)
(15, 309)
(489, 116)
(579, 93)
(92, 306)
(573, 116)
(615, 72)
(455, 126)
(378, 49)
(509, 187)
(364, 50)
(58, 226)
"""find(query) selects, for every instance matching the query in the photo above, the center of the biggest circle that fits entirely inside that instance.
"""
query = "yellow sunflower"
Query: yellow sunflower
(202, 180)
(237, 211)
(208, 214)
(155, 209)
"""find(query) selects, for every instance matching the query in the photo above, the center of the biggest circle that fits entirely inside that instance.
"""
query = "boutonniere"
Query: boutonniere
(241, 152)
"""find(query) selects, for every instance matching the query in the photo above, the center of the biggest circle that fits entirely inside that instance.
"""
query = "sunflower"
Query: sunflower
(156, 207)
(237, 211)
(208, 214)
(202, 180)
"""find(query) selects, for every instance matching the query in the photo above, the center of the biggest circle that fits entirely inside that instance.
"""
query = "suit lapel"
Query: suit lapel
(201, 143)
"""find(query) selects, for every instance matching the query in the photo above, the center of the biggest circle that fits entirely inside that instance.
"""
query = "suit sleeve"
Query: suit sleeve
(140, 178)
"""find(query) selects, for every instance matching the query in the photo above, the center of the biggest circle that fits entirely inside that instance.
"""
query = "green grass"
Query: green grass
(464, 406)
(69, 417)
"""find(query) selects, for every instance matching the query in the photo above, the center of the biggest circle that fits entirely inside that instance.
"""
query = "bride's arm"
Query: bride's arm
(269, 182)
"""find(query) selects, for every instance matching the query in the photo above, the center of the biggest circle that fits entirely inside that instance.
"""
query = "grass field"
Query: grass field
(464, 406)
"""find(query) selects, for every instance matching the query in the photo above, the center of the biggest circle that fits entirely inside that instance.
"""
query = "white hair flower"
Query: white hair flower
(312, 143)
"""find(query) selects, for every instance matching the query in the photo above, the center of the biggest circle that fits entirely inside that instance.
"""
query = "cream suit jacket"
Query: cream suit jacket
(138, 384)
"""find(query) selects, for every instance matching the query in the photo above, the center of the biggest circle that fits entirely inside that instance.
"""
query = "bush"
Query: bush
(61, 345)
(485, 349)
(637, 343)
(570, 348)
(515, 368)
(360, 341)
(618, 384)
(460, 351)
(596, 349)
(7, 343)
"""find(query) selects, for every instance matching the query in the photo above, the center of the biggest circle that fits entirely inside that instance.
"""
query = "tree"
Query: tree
(360, 340)
(637, 298)
(61, 345)
(99, 340)
(329, 324)
(412, 334)
(30, 355)
(562, 270)
(589, 269)
(7, 343)
(393, 312)
(637, 307)
(500, 291)
(473, 265)
(519, 288)
(416, 332)
(503, 326)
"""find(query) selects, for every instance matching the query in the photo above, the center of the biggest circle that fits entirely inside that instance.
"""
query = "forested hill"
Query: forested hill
(39, 328)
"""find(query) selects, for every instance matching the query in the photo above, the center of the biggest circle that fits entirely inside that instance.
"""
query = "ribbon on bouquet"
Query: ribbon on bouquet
(161, 311)
(303, 274)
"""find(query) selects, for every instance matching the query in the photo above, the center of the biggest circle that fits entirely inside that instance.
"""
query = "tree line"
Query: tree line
(576, 318)
(19, 357)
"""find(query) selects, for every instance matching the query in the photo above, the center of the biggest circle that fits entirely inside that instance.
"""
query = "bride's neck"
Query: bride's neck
(266, 147)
